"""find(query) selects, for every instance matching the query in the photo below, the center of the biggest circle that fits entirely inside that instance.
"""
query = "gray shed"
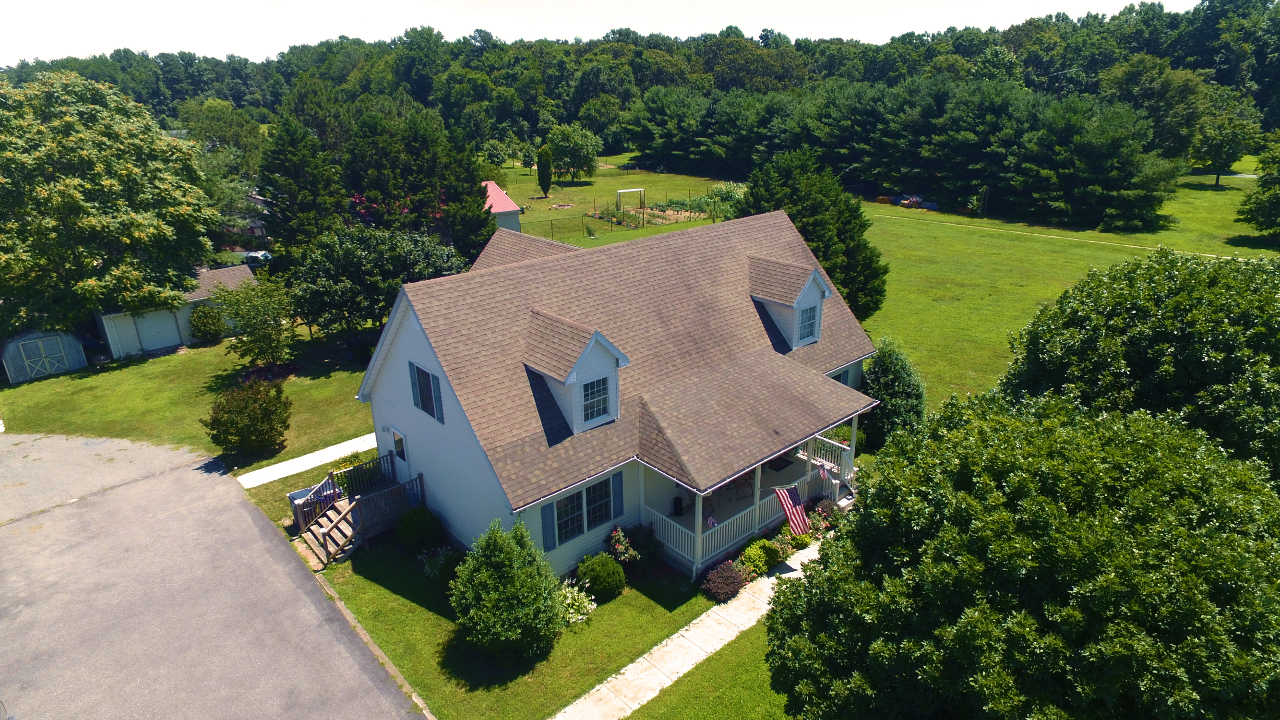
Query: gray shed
(36, 353)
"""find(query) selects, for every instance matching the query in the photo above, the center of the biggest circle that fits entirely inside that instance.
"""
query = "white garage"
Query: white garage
(129, 334)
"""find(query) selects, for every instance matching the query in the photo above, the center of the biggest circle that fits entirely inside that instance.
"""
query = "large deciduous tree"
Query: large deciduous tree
(830, 219)
(346, 280)
(573, 151)
(1040, 563)
(1169, 334)
(99, 208)
(1171, 99)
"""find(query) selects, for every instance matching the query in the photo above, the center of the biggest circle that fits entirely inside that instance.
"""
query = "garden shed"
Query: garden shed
(37, 353)
(504, 209)
(127, 334)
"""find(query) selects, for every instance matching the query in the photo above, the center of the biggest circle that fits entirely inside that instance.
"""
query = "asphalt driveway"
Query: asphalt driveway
(138, 582)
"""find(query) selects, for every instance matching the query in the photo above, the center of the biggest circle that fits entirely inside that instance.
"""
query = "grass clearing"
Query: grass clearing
(733, 683)
(161, 400)
(409, 616)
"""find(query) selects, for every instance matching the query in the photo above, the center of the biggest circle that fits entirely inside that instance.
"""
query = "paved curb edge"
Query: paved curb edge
(377, 651)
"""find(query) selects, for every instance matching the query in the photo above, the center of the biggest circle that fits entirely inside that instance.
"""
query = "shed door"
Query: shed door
(44, 356)
(158, 330)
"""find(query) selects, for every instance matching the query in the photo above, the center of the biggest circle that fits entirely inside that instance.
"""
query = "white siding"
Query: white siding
(812, 295)
(462, 487)
(158, 329)
(565, 557)
(509, 220)
(184, 320)
(564, 397)
(784, 316)
(658, 492)
(596, 362)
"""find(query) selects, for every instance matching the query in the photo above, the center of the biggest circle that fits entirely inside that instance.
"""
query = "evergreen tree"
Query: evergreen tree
(300, 186)
(544, 169)
(893, 381)
(830, 220)
(1261, 206)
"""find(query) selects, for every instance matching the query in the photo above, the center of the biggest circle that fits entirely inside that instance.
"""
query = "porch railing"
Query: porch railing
(769, 509)
(675, 537)
(351, 482)
(829, 453)
(730, 531)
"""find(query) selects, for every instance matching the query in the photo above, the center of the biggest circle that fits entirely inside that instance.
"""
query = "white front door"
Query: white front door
(402, 456)
(157, 330)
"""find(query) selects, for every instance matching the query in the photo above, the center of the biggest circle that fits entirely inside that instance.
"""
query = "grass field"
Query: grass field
(408, 615)
(162, 400)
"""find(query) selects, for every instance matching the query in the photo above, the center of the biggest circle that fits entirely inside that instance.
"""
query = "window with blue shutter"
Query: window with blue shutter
(426, 392)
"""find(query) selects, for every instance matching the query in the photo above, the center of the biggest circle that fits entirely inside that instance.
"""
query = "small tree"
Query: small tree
(528, 156)
(893, 381)
(249, 418)
(207, 324)
(574, 150)
(495, 153)
(262, 317)
(1229, 128)
(1261, 205)
(544, 170)
(507, 598)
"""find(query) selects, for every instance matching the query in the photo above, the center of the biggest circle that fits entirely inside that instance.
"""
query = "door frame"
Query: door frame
(401, 454)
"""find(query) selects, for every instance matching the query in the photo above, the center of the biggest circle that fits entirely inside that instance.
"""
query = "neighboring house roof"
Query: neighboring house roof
(498, 201)
(781, 282)
(706, 395)
(230, 277)
(509, 246)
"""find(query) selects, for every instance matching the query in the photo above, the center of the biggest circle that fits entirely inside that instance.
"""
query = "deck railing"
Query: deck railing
(350, 482)
(675, 537)
(833, 455)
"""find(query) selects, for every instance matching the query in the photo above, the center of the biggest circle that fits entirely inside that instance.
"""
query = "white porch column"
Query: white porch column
(697, 533)
(640, 472)
(808, 464)
(755, 497)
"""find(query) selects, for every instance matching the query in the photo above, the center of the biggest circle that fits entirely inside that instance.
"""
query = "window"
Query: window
(569, 517)
(595, 399)
(398, 440)
(599, 504)
(808, 322)
(426, 392)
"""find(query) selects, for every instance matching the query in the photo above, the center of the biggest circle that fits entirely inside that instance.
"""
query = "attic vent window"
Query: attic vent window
(595, 399)
(808, 322)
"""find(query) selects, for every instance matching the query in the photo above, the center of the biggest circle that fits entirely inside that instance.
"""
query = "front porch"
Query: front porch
(741, 507)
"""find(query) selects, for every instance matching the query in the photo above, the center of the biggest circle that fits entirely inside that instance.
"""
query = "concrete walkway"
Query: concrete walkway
(306, 462)
(642, 680)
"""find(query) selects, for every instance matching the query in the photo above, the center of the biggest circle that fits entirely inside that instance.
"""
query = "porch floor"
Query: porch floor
(727, 502)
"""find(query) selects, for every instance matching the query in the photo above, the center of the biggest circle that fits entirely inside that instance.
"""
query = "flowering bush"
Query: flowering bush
(747, 572)
(619, 546)
(577, 603)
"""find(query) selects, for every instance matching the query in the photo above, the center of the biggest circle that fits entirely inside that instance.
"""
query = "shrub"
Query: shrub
(442, 563)
(644, 541)
(506, 596)
(828, 508)
(263, 319)
(577, 603)
(207, 325)
(800, 542)
(723, 582)
(420, 529)
(602, 576)
(747, 572)
(1107, 565)
(892, 380)
(251, 417)
(761, 555)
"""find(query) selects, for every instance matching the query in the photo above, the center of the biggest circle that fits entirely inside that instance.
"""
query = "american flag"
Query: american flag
(790, 500)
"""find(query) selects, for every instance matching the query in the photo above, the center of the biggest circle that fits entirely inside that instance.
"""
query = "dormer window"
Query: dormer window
(595, 399)
(808, 322)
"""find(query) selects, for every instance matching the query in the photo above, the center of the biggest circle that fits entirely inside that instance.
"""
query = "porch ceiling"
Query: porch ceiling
(710, 426)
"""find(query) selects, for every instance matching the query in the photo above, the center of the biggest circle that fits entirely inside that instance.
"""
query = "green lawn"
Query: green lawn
(408, 615)
(161, 401)
(732, 683)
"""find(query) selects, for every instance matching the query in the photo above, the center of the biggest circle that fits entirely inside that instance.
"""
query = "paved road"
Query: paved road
(160, 592)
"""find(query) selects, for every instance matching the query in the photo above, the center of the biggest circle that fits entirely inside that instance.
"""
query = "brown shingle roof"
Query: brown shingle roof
(678, 306)
(780, 282)
(508, 246)
(554, 343)
(229, 277)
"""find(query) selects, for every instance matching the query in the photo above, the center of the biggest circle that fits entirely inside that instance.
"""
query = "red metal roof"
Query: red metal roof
(498, 201)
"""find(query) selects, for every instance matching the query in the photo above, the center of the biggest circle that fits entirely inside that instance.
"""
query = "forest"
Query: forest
(1083, 122)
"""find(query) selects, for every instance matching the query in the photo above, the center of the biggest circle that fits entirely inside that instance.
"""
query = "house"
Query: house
(675, 380)
(504, 209)
(127, 334)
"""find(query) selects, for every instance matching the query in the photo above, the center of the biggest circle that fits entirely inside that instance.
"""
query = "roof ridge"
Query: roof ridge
(682, 474)
(562, 319)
